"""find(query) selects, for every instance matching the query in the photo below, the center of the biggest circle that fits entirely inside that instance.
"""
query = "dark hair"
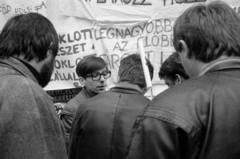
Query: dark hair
(209, 30)
(131, 70)
(89, 65)
(172, 66)
(31, 35)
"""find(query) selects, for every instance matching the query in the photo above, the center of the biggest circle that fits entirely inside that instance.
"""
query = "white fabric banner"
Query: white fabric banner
(8, 8)
(106, 28)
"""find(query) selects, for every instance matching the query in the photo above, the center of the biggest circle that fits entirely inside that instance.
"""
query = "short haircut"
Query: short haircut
(31, 35)
(90, 64)
(131, 70)
(209, 30)
(172, 66)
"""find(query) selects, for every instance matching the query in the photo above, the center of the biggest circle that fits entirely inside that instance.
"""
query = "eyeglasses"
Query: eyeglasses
(97, 76)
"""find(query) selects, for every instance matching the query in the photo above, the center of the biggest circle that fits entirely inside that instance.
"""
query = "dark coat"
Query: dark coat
(70, 110)
(103, 124)
(29, 125)
(198, 119)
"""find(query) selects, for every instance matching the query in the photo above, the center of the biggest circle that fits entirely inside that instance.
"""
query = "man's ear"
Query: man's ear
(178, 79)
(49, 53)
(145, 90)
(82, 81)
(118, 79)
(184, 48)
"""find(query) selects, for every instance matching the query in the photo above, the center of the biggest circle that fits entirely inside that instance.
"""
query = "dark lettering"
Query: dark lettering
(85, 31)
(69, 50)
(125, 44)
(82, 45)
(40, 6)
(167, 25)
(57, 64)
(126, 1)
(69, 64)
(151, 27)
(75, 49)
(69, 39)
(112, 34)
(63, 62)
(119, 33)
(61, 39)
(77, 36)
(117, 46)
(114, 61)
(101, 1)
(165, 41)
(5, 9)
(62, 51)
(127, 32)
(159, 27)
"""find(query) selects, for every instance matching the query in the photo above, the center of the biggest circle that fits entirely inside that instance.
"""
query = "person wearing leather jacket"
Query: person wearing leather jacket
(199, 118)
(103, 124)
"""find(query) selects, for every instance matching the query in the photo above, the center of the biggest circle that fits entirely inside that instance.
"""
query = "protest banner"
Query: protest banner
(106, 28)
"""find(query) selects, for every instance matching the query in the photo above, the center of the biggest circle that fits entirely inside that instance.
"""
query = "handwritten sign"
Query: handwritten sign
(73, 46)
(8, 8)
(110, 29)
(121, 40)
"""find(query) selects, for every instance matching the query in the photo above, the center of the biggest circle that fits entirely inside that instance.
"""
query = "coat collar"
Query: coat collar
(126, 88)
(20, 67)
(223, 64)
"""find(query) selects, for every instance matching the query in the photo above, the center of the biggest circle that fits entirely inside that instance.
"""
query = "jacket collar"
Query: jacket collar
(20, 67)
(223, 64)
(36, 74)
(126, 88)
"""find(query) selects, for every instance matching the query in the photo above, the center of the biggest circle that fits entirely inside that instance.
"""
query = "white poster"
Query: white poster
(106, 28)
(8, 8)
(73, 46)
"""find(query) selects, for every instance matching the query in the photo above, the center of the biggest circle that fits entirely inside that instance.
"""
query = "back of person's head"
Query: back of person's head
(171, 67)
(209, 31)
(31, 35)
(131, 70)
(89, 65)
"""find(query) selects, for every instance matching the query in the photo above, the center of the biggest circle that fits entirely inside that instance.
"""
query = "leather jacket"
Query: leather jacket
(103, 124)
(198, 119)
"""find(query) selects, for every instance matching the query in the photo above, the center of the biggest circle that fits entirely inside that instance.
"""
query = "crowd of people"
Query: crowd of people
(198, 117)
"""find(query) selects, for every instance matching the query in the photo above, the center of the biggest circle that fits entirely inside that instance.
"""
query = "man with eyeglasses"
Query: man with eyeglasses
(103, 124)
(92, 72)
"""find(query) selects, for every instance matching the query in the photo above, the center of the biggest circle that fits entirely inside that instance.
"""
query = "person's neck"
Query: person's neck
(88, 93)
(33, 62)
(35, 73)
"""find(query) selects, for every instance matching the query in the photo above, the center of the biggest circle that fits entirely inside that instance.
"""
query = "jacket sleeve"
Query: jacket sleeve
(67, 123)
(155, 138)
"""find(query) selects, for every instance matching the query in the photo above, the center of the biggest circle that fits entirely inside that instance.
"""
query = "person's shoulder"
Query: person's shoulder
(98, 101)
(72, 105)
(199, 85)
(181, 105)
(192, 94)
(26, 86)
